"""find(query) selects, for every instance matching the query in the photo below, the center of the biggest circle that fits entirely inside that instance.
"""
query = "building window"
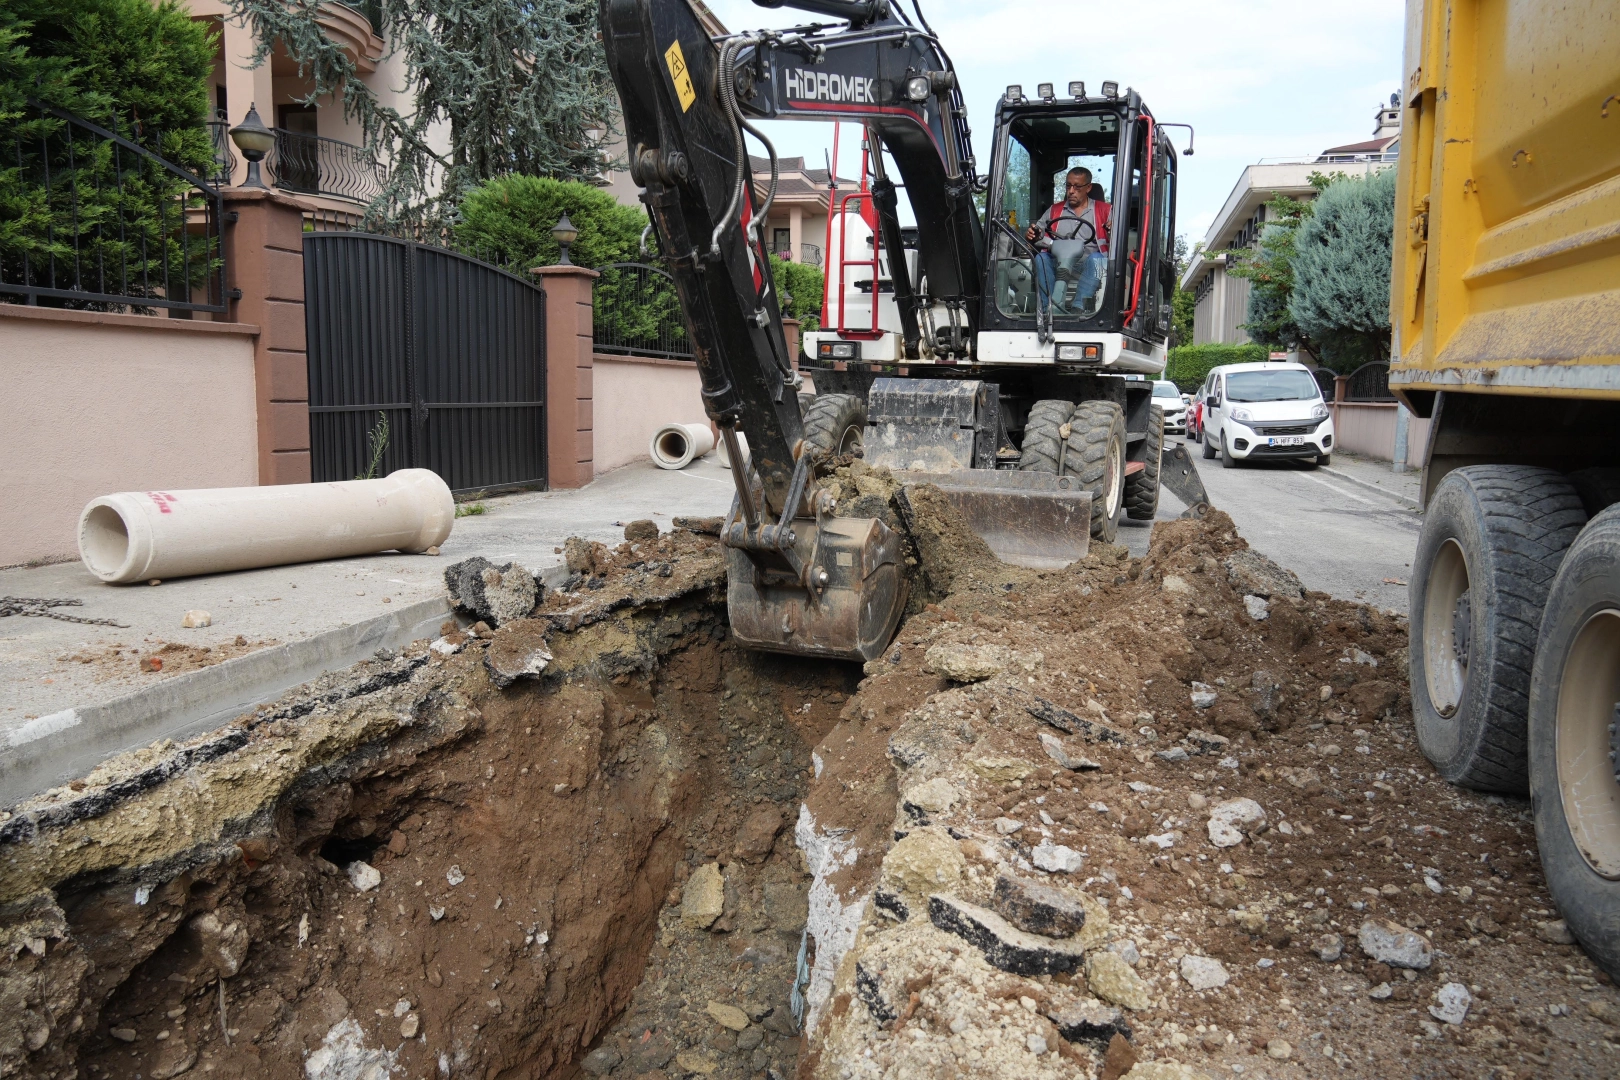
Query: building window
(782, 243)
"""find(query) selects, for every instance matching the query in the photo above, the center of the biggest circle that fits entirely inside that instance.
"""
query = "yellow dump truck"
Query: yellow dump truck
(1506, 308)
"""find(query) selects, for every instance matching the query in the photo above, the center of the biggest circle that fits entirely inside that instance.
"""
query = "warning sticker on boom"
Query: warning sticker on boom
(681, 76)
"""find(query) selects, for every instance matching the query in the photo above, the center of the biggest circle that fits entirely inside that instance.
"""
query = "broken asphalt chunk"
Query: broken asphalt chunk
(1004, 945)
(1089, 1020)
(1065, 721)
(1037, 907)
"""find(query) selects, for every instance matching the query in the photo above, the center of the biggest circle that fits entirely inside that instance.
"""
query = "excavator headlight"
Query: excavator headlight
(1044, 90)
(1111, 90)
(1077, 90)
(1077, 353)
(1015, 94)
(917, 88)
(839, 350)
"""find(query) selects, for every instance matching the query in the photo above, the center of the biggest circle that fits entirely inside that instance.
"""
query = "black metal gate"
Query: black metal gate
(449, 351)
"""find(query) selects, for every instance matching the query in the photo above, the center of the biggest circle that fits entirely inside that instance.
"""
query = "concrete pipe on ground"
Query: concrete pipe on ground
(742, 444)
(675, 446)
(141, 535)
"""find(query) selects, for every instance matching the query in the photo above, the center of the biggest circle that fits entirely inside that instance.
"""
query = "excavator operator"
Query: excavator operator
(1072, 246)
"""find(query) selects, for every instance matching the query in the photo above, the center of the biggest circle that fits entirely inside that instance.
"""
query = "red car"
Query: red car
(1195, 418)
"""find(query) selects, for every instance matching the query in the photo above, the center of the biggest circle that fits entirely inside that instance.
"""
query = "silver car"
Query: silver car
(1168, 397)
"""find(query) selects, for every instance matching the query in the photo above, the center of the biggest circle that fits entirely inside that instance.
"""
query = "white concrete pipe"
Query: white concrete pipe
(675, 446)
(141, 535)
(725, 458)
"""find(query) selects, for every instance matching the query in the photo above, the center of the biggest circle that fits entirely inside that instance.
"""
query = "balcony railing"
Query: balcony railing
(368, 8)
(219, 133)
(316, 165)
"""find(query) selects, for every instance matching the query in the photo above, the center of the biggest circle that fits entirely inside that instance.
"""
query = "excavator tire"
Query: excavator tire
(1096, 455)
(1142, 489)
(1042, 438)
(835, 425)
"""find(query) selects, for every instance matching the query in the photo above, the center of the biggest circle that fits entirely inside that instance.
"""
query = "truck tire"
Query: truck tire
(1043, 437)
(1492, 539)
(835, 425)
(1574, 691)
(1142, 490)
(1096, 455)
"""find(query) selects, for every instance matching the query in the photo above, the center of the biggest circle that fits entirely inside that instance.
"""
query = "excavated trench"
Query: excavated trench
(405, 870)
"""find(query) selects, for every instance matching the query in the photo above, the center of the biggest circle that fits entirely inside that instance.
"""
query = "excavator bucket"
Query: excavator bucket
(1026, 518)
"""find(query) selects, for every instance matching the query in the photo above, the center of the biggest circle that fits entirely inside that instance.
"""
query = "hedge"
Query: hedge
(1189, 365)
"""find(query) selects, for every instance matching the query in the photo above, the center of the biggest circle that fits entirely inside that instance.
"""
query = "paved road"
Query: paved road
(1339, 536)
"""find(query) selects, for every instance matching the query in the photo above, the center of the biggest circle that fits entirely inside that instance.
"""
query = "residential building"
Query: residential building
(318, 158)
(1223, 299)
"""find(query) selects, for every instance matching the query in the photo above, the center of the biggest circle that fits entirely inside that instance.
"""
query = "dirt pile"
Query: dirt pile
(1218, 768)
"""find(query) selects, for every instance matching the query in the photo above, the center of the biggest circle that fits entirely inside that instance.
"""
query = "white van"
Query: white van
(1266, 412)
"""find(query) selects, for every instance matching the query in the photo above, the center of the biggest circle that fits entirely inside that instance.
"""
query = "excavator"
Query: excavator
(966, 357)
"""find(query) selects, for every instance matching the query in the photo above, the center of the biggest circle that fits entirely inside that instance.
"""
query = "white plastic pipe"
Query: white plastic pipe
(140, 535)
(675, 446)
(725, 458)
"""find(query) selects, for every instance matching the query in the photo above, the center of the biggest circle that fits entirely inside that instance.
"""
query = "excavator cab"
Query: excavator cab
(1096, 291)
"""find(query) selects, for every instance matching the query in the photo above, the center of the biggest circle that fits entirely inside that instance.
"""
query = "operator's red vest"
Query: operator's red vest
(1100, 210)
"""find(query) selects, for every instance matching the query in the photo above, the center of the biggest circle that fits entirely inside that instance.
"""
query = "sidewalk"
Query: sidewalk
(1379, 477)
(279, 627)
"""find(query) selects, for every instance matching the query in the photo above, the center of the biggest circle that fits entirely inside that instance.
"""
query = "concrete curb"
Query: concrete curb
(69, 743)
(1367, 485)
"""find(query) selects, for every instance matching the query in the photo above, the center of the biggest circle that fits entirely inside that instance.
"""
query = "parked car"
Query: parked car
(1195, 417)
(1167, 396)
(1266, 411)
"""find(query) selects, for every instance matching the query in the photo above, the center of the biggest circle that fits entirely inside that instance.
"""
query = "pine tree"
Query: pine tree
(523, 85)
(1341, 270)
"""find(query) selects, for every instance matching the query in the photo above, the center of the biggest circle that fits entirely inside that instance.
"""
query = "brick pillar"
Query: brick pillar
(264, 257)
(1341, 384)
(790, 330)
(570, 337)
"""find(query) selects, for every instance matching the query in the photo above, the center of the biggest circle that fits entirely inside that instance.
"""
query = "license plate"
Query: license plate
(1287, 440)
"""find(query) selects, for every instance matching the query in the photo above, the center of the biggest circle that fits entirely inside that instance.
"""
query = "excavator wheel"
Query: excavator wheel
(835, 425)
(1096, 455)
(1043, 438)
(1142, 489)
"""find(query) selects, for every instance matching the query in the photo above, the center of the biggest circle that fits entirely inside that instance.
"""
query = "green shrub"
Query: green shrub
(798, 290)
(1190, 365)
(509, 220)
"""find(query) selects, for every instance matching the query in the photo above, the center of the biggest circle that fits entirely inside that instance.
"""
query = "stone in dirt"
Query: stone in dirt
(728, 1016)
(641, 529)
(193, 620)
(924, 862)
(708, 526)
(494, 593)
(968, 663)
(1279, 1049)
(223, 942)
(1118, 1060)
(1328, 948)
(1001, 770)
(1393, 944)
(1037, 907)
(757, 836)
(1057, 752)
(1258, 608)
(1555, 932)
(1204, 972)
(601, 1061)
(1231, 819)
(704, 897)
(1165, 1070)
(1111, 978)
(1056, 858)
(1206, 742)
(1089, 1020)
(1004, 945)
(363, 876)
(1252, 573)
(935, 796)
(1454, 1001)
(1203, 695)
(520, 651)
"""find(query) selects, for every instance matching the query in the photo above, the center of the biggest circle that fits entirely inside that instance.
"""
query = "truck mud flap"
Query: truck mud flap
(1178, 473)
(1027, 518)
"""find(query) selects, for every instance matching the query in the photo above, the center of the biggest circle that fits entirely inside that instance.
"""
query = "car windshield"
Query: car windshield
(1278, 385)
(1166, 389)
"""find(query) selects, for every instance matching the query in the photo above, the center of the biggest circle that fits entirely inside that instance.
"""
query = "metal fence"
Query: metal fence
(442, 353)
(636, 311)
(1369, 382)
(316, 165)
(97, 218)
